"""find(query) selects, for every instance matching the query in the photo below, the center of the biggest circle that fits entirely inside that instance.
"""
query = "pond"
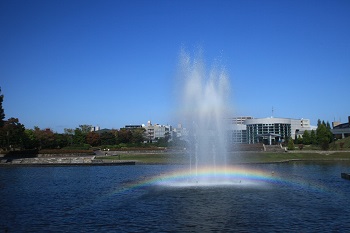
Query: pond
(285, 197)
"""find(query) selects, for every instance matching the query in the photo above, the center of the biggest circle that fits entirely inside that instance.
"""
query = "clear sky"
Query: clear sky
(64, 63)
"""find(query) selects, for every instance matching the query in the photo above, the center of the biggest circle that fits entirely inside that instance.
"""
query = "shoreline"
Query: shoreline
(129, 163)
(122, 163)
(136, 158)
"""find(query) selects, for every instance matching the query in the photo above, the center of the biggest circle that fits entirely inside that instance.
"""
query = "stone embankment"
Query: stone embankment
(49, 160)
(61, 160)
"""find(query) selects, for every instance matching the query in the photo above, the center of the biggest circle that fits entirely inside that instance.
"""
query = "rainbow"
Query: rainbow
(221, 176)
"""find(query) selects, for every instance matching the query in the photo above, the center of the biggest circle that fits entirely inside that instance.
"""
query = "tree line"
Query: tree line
(14, 135)
(322, 137)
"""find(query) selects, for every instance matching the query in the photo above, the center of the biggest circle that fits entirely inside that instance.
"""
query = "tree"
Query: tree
(300, 140)
(2, 112)
(322, 136)
(93, 139)
(30, 140)
(313, 139)
(329, 130)
(290, 145)
(137, 135)
(107, 138)
(61, 140)
(69, 133)
(12, 134)
(79, 137)
(46, 138)
(124, 136)
(85, 129)
(306, 138)
(319, 122)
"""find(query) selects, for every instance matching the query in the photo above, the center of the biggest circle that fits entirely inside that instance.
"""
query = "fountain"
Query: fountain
(204, 110)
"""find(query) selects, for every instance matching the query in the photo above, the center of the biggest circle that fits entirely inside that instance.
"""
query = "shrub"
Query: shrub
(65, 151)
(290, 144)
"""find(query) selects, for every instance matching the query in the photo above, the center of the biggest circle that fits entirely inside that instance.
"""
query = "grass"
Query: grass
(266, 157)
(344, 141)
(234, 158)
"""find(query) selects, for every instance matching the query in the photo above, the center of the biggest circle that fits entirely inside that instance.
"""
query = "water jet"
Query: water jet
(204, 110)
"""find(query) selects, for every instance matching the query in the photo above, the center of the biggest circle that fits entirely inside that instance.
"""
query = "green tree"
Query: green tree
(79, 137)
(322, 136)
(137, 135)
(329, 130)
(313, 139)
(69, 134)
(124, 136)
(107, 138)
(300, 140)
(12, 134)
(290, 145)
(85, 129)
(30, 140)
(162, 142)
(306, 138)
(61, 140)
(319, 122)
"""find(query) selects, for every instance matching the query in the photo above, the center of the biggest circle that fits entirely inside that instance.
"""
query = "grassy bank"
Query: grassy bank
(268, 157)
(234, 158)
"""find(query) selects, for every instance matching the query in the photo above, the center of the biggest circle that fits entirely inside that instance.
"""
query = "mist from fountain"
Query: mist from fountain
(204, 110)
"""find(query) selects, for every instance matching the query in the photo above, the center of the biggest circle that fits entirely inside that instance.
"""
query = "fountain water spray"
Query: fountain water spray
(204, 110)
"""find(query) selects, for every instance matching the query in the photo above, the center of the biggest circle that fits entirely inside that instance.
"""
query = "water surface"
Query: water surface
(295, 197)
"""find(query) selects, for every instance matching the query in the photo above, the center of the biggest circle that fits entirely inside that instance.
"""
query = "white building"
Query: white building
(95, 128)
(275, 130)
(153, 132)
(238, 130)
(180, 132)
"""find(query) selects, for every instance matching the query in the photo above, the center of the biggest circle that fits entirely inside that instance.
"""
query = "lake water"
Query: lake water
(290, 197)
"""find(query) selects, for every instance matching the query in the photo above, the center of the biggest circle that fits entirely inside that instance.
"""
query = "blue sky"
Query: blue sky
(113, 63)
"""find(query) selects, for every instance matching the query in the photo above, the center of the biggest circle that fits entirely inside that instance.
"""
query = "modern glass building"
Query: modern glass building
(274, 130)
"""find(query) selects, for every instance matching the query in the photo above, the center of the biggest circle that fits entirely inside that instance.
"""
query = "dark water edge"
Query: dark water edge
(306, 197)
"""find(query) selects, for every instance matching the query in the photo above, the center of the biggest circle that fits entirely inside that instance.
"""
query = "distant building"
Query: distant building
(154, 132)
(341, 130)
(95, 128)
(179, 132)
(275, 130)
(133, 126)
